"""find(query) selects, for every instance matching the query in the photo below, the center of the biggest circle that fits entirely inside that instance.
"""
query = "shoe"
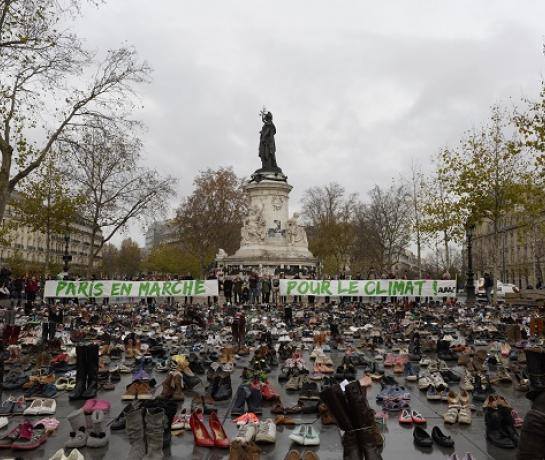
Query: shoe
(4, 421)
(99, 435)
(298, 435)
(75, 454)
(200, 433)
(78, 432)
(266, 432)
(417, 417)
(285, 420)
(464, 416)
(405, 417)
(239, 404)
(293, 455)
(421, 437)
(311, 437)
(246, 433)
(218, 433)
(310, 455)
(131, 392)
(451, 415)
(494, 430)
(453, 399)
(440, 438)
(30, 437)
(432, 394)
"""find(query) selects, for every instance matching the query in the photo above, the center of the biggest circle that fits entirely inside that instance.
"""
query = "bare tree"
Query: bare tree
(328, 204)
(104, 165)
(388, 222)
(49, 85)
(417, 192)
(331, 233)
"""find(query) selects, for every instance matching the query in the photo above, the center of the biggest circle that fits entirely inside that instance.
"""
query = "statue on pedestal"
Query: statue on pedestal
(267, 146)
(267, 151)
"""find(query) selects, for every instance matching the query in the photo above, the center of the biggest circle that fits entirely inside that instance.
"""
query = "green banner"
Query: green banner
(369, 288)
(112, 288)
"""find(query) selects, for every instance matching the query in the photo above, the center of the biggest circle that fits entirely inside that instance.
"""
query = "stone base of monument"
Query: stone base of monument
(271, 241)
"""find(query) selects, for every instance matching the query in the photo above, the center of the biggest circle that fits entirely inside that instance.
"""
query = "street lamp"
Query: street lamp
(66, 257)
(470, 283)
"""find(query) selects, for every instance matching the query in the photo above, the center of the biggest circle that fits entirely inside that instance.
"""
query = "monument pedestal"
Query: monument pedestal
(271, 241)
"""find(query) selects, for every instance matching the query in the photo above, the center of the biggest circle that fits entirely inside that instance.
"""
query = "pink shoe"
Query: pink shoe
(390, 360)
(92, 405)
(89, 406)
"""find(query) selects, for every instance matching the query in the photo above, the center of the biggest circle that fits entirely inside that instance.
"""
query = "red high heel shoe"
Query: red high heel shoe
(200, 433)
(218, 433)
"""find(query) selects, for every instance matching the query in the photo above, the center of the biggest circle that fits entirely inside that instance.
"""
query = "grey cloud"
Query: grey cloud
(358, 89)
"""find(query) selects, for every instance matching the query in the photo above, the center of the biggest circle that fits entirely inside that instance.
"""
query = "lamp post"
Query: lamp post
(67, 258)
(470, 283)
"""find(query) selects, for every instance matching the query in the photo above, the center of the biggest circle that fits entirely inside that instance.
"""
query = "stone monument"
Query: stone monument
(270, 240)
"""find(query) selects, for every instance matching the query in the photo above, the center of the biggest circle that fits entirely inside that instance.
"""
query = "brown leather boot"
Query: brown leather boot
(168, 388)
(236, 451)
(178, 394)
(252, 451)
(325, 415)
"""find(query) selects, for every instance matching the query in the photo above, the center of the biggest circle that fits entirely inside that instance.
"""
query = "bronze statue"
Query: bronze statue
(267, 151)
(267, 147)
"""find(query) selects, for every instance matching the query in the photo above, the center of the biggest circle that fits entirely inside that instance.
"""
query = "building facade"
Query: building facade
(522, 252)
(161, 232)
(25, 244)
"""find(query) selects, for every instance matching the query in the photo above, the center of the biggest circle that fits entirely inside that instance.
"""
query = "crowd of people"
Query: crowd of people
(257, 375)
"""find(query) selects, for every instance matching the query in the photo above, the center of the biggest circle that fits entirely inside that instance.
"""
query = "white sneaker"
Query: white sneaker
(438, 382)
(298, 435)
(266, 432)
(3, 422)
(246, 433)
(311, 437)
(424, 382)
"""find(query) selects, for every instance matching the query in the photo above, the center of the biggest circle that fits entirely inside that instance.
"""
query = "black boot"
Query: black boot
(243, 393)
(494, 433)
(91, 354)
(81, 374)
(508, 425)
(255, 401)
(535, 363)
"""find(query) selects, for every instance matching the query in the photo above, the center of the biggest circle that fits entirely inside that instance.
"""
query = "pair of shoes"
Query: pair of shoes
(244, 450)
(307, 455)
(203, 438)
(41, 407)
(411, 416)
(454, 414)
(97, 437)
(25, 436)
(305, 435)
(137, 390)
(87, 372)
(422, 439)
(75, 454)
(467, 456)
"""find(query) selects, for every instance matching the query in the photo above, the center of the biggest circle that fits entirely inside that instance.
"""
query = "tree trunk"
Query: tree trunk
(47, 249)
(91, 252)
(495, 267)
(447, 251)
(4, 195)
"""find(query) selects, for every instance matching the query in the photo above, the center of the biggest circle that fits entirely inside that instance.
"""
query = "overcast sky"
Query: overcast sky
(358, 89)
